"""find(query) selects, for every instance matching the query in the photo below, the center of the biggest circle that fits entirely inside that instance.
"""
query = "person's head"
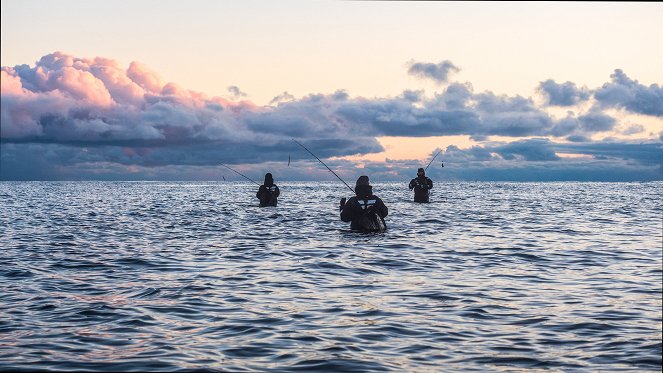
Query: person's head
(362, 187)
(421, 172)
(269, 180)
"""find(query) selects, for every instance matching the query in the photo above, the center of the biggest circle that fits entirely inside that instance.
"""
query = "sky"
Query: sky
(171, 90)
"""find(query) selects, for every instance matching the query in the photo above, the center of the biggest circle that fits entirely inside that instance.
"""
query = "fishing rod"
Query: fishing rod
(323, 163)
(431, 161)
(239, 174)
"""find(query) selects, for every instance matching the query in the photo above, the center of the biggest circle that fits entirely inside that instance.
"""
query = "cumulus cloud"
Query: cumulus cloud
(82, 111)
(144, 77)
(413, 96)
(625, 93)
(565, 94)
(439, 72)
(595, 121)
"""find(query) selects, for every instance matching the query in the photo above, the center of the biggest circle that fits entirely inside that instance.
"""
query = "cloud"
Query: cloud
(536, 159)
(67, 112)
(529, 150)
(594, 121)
(634, 129)
(577, 138)
(235, 92)
(624, 93)
(566, 94)
(648, 154)
(456, 97)
(283, 97)
(545, 150)
(144, 77)
(72, 100)
(439, 72)
(413, 96)
(454, 154)
(510, 116)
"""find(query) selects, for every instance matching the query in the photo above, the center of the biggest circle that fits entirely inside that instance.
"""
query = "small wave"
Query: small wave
(249, 351)
(530, 321)
(16, 274)
(146, 293)
(514, 361)
(337, 365)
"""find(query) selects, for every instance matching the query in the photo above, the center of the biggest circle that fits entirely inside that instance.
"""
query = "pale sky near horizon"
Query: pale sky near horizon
(270, 48)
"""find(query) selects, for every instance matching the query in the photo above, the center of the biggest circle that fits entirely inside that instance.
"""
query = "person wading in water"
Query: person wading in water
(365, 210)
(268, 192)
(422, 186)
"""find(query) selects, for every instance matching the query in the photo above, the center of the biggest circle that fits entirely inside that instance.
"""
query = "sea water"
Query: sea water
(167, 276)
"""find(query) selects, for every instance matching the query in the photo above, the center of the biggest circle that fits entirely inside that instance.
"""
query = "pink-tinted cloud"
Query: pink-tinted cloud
(68, 99)
(129, 116)
(144, 77)
(66, 74)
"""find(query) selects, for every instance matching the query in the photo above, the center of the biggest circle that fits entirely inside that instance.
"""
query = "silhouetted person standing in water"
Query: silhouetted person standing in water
(365, 210)
(268, 192)
(422, 186)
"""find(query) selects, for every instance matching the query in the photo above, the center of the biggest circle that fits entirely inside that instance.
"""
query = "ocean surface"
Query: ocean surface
(169, 276)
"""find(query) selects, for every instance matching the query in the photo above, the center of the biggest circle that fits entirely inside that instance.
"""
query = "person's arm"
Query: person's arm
(411, 185)
(430, 184)
(260, 191)
(347, 210)
(382, 208)
(277, 191)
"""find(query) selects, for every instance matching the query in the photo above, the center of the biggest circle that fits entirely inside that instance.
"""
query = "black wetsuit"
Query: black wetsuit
(268, 192)
(421, 185)
(358, 210)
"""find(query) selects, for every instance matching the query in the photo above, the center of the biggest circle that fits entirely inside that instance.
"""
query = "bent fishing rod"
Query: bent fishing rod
(431, 161)
(323, 163)
(240, 174)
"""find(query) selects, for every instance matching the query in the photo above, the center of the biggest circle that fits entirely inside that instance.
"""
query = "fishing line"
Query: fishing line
(323, 163)
(246, 177)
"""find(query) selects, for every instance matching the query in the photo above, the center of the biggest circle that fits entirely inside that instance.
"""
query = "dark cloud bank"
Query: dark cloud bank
(74, 118)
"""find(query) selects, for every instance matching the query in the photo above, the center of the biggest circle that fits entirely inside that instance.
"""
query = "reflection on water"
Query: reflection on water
(176, 276)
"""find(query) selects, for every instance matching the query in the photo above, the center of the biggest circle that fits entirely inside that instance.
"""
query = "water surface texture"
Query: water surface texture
(166, 276)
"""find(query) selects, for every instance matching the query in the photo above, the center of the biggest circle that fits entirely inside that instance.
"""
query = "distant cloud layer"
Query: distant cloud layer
(68, 113)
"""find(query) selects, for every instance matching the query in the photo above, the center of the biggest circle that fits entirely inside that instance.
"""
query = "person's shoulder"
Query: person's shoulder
(353, 200)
